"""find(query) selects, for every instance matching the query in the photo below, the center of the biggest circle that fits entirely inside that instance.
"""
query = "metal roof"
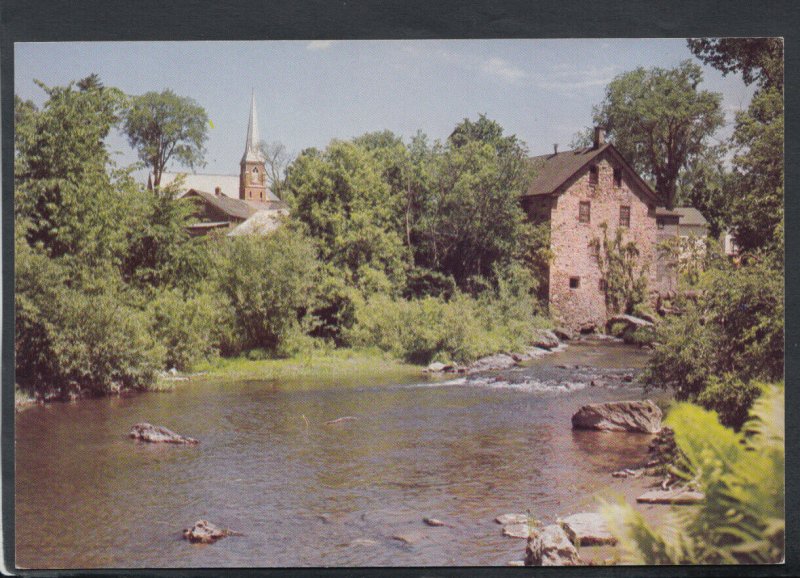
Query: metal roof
(252, 153)
(691, 217)
(260, 223)
(236, 208)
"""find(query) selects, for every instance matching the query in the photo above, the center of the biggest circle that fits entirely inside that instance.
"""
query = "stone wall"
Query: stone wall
(584, 306)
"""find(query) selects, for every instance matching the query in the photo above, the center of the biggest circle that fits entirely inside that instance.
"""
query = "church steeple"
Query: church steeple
(253, 174)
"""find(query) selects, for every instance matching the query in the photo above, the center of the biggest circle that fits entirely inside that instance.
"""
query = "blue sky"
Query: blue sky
(308, 93)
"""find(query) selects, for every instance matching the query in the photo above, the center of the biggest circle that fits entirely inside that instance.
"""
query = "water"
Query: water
(87, 496)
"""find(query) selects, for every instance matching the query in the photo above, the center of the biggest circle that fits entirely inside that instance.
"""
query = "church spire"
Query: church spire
(251, 151)
(253, 174)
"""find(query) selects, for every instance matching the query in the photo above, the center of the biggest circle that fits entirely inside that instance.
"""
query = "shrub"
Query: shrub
(188, 328)
(742, 519)
(269, 282)
(730, 398)
(68, 341)
(624, 273)
(734, 330)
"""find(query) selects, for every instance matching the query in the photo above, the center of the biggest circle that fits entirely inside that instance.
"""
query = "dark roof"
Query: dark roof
(237, 208)
(555, 169)
(691, 217)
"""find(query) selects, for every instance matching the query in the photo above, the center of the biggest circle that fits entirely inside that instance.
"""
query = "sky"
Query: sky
(309, 92)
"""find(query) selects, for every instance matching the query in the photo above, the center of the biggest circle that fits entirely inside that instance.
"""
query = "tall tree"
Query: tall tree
(756, 190)
(660, 120)
(277, 160)
(163, 127)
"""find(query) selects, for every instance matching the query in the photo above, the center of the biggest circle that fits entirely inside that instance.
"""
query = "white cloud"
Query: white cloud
(319, 44)
(503, 69)
(568, 78)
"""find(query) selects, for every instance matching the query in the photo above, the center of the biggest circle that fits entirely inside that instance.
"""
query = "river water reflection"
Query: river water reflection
(87, 496)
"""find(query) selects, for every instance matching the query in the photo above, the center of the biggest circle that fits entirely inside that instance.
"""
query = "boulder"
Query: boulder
(436, 367)
(435, 522)
(158, 434)
(545, 339)
(551, 547)
(517, 531)
(204, 532)
(506, 519)
(491, 363)
(563, 333)
(628, 416)
(631, 321)
(587, 529)
(677, 496)
(409, 538)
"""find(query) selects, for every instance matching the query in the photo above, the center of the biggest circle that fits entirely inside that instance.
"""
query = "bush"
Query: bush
(188, 328)
(461, 329)
(69, 341)
(270, 283)
(734, 330)
(742, 519)
(731, 398)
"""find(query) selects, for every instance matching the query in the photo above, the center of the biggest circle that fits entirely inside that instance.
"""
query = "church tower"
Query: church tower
(253, 173)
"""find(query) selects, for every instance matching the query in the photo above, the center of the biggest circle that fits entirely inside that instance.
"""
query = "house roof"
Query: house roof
(555, 169)
(260, 223)
(229, 184)
(236, 208)
(691, 217)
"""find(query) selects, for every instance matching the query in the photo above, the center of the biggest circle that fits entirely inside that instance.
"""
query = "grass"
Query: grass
(333, 364)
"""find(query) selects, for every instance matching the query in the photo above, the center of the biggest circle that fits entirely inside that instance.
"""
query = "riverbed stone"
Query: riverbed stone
(204, 532)
(435, 522)
(545, 339)
(676, 496)
(436, 367)
(506, 519)
(564, 333)
(517, 530)
(587, 529)
(158, 434)
(551, 547)
(492, 362)
(626, 416)
(410, 538)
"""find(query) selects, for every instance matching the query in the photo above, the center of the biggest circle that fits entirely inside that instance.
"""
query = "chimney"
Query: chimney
(555, 148)
(218, 191)
(599, 136)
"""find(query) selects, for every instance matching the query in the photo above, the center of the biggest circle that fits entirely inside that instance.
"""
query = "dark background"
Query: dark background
(72, 20)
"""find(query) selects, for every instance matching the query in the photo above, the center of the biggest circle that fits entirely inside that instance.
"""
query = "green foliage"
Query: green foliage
(689, 257)
(639, 336)
(760, 60)
(730, 397)
(460, 329)
(659, 121)
(742, 519)
(269, 283)
(163, 127)
(188, 328)
(68, 340)
(734, 330)
(623, 271)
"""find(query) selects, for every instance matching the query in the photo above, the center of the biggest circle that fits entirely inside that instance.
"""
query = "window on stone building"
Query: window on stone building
(585, 212)
(602, 285)
(624, 216)
(574, 282)
(660, 223)
(594, 173)
(617, 177)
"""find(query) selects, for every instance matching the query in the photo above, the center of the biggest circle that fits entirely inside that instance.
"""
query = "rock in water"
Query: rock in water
(517, 531)
(158, 434)
(551, 547)
(587, 529)
(512, 519)
(433, 522)
(204, 532)
(563, 333)
(545, 339)
(630, 416)
(409, 538)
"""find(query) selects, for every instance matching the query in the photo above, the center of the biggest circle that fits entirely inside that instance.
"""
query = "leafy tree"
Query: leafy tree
(742, 519)
(63, 185)
(760, 60)
(756, 188)
(705, 184)
(350, 211)
(660, 121)
(163, 127)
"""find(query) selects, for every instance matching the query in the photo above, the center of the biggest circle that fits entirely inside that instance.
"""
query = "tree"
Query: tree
(164, 127)
(756, 189)
(277, 160)
(63, 177)
(760, 60)
(705, 184)
(660, 121)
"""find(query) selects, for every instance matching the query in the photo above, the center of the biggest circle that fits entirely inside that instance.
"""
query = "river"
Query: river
(303, 493)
